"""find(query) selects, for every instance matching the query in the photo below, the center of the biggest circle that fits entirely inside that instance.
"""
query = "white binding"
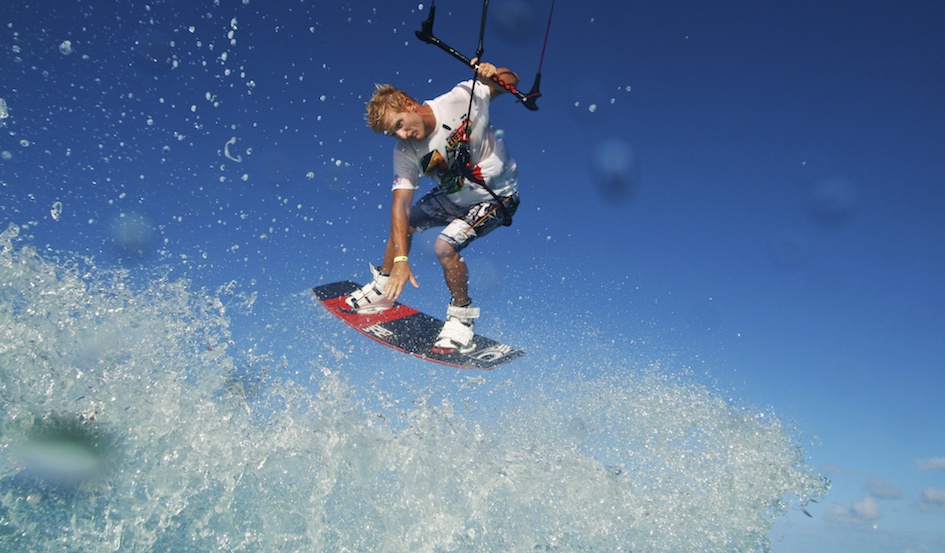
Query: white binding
(458, 330)
(370, 298)
(455, 335)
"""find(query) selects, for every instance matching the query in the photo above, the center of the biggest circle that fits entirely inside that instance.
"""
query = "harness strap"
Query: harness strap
(463, 154)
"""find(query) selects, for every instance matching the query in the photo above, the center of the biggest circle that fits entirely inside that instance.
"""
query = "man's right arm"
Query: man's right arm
(398, 245)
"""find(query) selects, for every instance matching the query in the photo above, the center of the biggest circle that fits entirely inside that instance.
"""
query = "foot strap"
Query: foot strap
(467, 312)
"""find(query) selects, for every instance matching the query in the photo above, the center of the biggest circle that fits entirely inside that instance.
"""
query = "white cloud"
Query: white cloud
(934, 463)
(932, 499)
(866, 509)
(863, 511)
(882, 489)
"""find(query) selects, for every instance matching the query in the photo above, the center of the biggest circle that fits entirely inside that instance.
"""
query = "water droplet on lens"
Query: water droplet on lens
(616, 170)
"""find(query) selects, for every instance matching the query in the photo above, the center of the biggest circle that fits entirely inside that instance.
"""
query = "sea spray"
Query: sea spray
(202, 451)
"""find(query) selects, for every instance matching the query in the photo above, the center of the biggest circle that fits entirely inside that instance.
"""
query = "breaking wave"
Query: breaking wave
(132, 423)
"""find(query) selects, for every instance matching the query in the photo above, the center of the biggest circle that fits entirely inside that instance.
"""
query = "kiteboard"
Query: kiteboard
(408, 330)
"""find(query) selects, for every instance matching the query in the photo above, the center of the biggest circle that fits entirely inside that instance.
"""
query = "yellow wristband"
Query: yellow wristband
(400, 258)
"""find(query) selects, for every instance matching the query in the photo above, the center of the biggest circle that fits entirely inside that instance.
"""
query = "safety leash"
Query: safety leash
(544, 47)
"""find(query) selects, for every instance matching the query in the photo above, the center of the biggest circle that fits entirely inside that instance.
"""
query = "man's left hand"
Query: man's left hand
(400, 275)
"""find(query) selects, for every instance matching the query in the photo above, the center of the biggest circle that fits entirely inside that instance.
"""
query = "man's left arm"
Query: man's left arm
(487, 70)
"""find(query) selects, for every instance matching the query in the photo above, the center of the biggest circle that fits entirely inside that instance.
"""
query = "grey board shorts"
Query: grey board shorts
(463, 224)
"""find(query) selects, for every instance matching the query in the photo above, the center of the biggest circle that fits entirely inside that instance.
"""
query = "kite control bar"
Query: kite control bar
(426, 35)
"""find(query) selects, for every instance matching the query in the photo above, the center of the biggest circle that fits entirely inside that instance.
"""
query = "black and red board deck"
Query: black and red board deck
(410, 331)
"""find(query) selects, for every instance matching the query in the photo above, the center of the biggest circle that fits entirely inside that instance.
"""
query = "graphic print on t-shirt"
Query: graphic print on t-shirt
(444, 168)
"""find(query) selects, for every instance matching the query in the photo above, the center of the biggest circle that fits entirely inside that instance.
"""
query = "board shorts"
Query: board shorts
(463, 224)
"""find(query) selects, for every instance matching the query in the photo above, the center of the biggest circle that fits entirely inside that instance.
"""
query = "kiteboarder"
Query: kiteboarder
(450, 140)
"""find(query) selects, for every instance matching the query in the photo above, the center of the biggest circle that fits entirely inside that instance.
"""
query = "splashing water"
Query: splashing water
(126, 426)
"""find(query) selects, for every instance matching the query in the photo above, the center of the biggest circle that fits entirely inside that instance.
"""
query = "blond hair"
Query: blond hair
(386, 99)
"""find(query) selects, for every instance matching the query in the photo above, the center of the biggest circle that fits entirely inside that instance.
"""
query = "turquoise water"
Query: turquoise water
(134, 420)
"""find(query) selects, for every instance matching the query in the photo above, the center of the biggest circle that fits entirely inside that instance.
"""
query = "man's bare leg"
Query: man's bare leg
(457, 333)
(455, 272)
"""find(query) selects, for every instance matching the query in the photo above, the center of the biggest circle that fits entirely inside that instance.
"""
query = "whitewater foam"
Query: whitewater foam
(198, 447)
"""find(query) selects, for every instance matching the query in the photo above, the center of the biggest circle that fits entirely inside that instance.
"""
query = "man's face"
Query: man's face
(405, 125)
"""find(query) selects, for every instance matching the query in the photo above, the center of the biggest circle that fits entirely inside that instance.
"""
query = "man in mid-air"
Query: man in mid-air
(450, 140)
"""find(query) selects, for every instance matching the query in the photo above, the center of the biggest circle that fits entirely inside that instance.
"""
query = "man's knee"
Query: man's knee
(444, 250)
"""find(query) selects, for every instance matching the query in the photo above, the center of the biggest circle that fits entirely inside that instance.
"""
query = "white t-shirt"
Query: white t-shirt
(432, 156)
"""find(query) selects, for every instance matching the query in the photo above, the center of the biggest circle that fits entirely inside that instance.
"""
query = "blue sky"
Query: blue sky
(748, 190)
